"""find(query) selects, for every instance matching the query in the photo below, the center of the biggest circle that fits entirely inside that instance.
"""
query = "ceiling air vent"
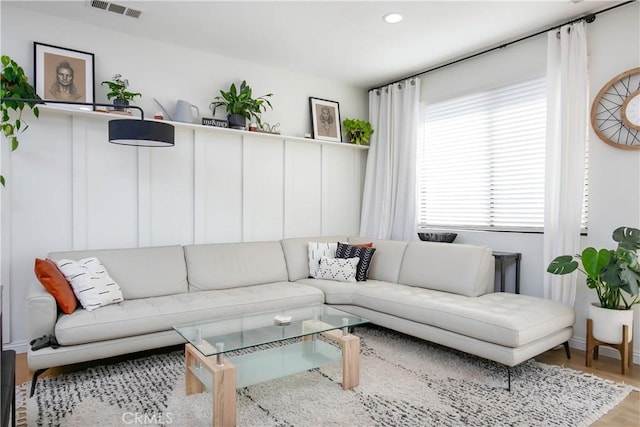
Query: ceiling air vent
(116, 8)
(99, 4)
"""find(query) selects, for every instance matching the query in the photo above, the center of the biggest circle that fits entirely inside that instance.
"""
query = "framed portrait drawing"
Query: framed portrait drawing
(325, 119)
(63, 74)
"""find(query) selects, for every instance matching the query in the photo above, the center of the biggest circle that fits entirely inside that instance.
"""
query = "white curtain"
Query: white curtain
(567, 112)
(389, 199)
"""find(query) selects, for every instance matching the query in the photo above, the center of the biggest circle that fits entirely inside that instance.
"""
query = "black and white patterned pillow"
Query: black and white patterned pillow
(316, 251)
(340, 269)
(365, 254)
(90, 282)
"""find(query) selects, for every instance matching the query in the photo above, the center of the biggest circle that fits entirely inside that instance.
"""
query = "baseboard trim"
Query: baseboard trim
(581, 344)
(18, 347)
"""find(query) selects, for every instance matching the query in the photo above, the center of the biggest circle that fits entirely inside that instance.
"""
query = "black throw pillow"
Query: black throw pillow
(365, 254)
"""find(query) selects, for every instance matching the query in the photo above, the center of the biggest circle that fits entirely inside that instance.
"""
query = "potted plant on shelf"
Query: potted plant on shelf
(240, 105)
(358, 131)
(613, 274)
(15, 84)
(118, 90)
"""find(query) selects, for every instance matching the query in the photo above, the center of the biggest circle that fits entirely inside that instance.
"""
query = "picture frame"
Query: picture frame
(63, 74)
(325, 119)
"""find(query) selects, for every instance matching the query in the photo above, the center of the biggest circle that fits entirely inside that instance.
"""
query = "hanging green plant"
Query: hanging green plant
(15, 84)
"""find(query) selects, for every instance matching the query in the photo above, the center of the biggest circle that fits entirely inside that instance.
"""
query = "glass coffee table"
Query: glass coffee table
(261, 353)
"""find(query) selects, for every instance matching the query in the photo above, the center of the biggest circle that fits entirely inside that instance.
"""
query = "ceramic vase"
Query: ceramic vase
(607, 323)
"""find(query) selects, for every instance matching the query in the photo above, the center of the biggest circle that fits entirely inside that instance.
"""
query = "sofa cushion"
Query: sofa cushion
(231, 265)
(90, 282)
(502, 318)
(339, 269)
(386, 264)
(334, 292)
(455, 268)
(56, 284)
(297, 254)
(142, 316)
(363, 253)
(140, 272)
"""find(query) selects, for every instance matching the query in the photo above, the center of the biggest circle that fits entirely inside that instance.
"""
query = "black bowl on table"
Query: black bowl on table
(438, 237)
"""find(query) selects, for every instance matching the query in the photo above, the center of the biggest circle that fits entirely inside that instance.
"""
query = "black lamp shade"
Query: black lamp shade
(141, 133)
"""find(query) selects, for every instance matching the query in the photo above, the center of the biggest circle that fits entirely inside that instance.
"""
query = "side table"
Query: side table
(8, 388)
(501, 258)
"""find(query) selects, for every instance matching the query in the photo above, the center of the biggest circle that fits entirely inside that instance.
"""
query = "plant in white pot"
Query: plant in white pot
(615, 276)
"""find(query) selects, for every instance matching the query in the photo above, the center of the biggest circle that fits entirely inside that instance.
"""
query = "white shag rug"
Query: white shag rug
(403, 382)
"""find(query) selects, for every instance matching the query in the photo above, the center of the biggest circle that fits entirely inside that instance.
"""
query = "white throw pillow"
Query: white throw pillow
(317, 251)
(340, 269)
(90, 282)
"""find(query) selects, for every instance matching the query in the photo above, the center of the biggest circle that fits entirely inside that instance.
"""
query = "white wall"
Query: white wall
(614, 181)
(68, 188)
(170, 72)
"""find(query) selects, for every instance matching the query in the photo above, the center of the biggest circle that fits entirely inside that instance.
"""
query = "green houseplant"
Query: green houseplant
(241, 105)
(612, 273)
(15, 84)
(118, 90)
(358, 131)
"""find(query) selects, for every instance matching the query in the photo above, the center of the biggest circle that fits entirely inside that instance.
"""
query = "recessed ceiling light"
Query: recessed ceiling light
(392, 18)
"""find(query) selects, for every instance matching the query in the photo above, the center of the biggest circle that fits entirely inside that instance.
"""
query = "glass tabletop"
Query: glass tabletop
(240, 332)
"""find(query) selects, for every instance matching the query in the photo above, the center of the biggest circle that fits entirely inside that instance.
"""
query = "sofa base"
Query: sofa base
(505, 355)
(69, 355)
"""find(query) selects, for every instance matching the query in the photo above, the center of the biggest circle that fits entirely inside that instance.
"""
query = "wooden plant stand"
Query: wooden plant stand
(625, 347)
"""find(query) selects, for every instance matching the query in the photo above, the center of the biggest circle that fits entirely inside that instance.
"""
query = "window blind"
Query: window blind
(481, 160)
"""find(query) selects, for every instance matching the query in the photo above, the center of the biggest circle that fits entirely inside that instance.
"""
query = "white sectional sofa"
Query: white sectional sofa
(436, 291)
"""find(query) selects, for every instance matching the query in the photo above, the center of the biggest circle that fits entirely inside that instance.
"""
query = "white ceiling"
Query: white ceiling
(342, 40)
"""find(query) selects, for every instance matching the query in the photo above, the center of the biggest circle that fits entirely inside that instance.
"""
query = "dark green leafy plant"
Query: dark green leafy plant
(15, 84)
(358, 131)
(241, 102)
(612, 273)
(118, 88)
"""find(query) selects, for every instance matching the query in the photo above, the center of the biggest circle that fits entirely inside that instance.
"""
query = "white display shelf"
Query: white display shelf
(219, 130)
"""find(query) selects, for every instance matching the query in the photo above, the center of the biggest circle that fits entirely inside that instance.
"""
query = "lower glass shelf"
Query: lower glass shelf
(265, 365)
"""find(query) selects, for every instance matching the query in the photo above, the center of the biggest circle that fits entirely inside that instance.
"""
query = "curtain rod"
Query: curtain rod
(589, 18)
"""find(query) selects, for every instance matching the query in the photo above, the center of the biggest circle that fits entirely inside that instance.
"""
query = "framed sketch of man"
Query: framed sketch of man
(63, 74)
(325, 119)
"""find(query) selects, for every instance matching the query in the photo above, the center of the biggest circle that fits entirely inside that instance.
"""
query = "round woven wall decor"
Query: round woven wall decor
(615, 112)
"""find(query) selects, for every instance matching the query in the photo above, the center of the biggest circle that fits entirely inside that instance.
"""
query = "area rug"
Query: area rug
(403, 382)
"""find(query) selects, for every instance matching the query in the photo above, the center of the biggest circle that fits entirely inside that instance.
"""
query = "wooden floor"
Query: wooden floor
(626, 414)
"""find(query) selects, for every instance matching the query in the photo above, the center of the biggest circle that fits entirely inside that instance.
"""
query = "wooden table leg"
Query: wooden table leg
(350, 357)
(223, 385)
(350, 361)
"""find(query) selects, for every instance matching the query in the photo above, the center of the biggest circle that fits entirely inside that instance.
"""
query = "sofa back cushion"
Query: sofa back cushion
(233, 265)
(449, 267)
(387, 260)
(296, 253)
(140, 272)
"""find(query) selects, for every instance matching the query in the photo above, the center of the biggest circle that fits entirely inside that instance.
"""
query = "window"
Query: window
(481, 161)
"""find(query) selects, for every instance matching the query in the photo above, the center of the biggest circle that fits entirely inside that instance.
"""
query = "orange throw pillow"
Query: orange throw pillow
(56, 284)
(363, 245)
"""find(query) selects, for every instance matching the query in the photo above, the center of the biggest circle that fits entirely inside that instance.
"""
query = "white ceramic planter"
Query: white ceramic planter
(607, 323)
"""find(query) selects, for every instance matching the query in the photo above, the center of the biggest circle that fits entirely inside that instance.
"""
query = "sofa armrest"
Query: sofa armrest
(41, 311)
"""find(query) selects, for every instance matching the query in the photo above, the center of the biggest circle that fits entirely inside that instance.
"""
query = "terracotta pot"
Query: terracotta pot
(607, 323)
